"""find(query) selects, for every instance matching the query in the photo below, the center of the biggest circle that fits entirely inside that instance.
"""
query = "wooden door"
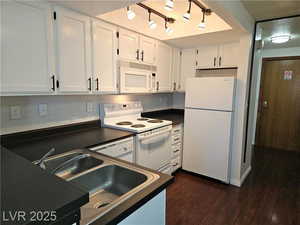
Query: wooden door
(164, 67)
(104, 50)
(129, 45)
(278, 123)
(73, 35)
(188, 66)
(26, 44)
(148, 49)
(207, 57)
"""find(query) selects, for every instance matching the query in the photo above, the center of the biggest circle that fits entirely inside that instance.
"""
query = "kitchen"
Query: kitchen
(102, 105)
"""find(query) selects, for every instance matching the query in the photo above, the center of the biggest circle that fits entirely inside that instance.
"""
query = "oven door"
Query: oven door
(134, 80)
(154, 151)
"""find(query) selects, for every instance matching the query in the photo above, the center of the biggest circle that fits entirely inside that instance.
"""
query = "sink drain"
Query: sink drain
(101, 205)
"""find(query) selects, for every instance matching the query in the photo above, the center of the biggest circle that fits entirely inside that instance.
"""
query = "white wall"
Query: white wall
(67, 109)
(257, 67)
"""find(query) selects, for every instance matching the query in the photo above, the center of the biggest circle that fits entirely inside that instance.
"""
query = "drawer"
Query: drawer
(176, 150)
(176, 163)
(177, 130)
(176, 139)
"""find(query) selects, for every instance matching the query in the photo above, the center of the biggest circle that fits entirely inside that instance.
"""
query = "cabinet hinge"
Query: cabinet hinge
(54, 15)
(118, 51)
(117, 34)
(57, 83)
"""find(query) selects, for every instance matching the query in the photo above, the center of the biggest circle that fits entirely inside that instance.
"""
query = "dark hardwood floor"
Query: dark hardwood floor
(270, 195)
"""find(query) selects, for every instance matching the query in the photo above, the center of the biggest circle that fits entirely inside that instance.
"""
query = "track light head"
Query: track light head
(169, 5)
(168, 30)
(130, 14)
(151, 23)
(202, 25)
(186, 17)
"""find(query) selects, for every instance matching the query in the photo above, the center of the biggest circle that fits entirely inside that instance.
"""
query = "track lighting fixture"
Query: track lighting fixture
(168, 29)
(169, 5)
(202, 25)
(130, 13)
(151, 23)
(187, 15)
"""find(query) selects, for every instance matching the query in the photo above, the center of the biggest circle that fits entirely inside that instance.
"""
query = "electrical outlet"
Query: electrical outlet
(43, 109)
(89, 107)
(15, 112)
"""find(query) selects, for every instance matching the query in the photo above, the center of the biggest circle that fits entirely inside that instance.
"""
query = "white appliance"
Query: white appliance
(134, 80)
(153, 136)
(122, 149)
(208, 120)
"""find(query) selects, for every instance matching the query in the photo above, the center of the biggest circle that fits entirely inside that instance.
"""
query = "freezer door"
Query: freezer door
(215, 93)
(207, 143)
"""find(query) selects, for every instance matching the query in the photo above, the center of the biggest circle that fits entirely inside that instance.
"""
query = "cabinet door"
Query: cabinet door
(176, 69)
(104, 48)
(147, 54)
(164, 66)
(129, 45)
(73, 36)
(228, 55)
(188, 66)
(26, 48)
(207, 57)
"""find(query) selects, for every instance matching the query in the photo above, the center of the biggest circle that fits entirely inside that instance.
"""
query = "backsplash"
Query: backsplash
(68, 109)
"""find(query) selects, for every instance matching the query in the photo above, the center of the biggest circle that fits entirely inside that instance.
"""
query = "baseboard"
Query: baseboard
(237, 182)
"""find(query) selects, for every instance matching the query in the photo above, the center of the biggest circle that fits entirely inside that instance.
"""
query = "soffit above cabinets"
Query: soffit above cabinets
(181, 29)
(288, 26)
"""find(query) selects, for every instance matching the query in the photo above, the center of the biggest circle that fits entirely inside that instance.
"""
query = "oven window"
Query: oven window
(135, 80)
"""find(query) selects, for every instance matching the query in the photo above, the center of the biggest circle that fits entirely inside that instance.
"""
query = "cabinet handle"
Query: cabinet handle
(157, 85)
(220, 61)
(90, 83)
(176, 164)
(174, 86)
(176, 151)
(215, 61)
(137, 54)
(97, 84)
(142, 55)
(53, 83)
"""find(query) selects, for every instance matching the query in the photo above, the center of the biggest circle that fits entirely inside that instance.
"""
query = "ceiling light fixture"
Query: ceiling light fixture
(169, 5)
(280, 39)
(202, 25)
(187, 15)
(168, 29)
(130, 13)
(151, 23)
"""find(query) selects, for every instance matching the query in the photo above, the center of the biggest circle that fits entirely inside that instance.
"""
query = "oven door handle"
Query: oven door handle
(154, 138)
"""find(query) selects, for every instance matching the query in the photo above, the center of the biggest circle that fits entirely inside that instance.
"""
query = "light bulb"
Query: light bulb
(202, 25)
(186, 17)
(130, 14)
(169, 30)
(152, 24)
(169, 5)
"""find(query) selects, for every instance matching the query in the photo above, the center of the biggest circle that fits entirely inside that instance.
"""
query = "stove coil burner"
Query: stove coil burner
(138, 125)
(142, 119)
(154, 121)
(124, 123)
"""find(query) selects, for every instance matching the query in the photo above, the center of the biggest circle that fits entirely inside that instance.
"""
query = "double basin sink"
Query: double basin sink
(108, 181)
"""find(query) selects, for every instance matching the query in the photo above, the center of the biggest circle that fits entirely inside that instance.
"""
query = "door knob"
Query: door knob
(265, 104)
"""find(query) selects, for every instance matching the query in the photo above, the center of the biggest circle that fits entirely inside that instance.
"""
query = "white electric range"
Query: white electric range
(153, 136)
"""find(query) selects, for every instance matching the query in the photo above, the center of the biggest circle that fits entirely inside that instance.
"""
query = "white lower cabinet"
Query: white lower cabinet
(176, 150)
(153, 212)
(26, 48)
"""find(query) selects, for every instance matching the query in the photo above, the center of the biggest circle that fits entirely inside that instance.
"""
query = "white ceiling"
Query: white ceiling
(268, 9)
(181, 29)
(289, 26)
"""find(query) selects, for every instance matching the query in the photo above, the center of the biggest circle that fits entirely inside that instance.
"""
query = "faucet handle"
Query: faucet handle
(41, 163)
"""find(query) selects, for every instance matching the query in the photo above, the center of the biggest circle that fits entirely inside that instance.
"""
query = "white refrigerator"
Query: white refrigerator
(209, 104)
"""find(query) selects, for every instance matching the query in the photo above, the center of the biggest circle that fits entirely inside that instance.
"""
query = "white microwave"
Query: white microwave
(135, 80)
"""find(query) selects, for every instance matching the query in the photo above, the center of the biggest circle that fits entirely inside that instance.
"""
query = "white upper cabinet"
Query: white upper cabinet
(176, 64)
(217, 56)
(164, 67)
(129, 45)
(207, 56)
(104, 49)
(147, 50)
(228, 55)
(73, 36)
(26, 48)
(188, 66)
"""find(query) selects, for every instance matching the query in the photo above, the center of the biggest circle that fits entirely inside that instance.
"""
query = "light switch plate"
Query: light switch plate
(15, 112)
(43, 109)
(89, 107)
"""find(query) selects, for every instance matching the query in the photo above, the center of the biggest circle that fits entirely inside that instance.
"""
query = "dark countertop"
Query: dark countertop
(26, 187)
(32, 145)
(175, 115)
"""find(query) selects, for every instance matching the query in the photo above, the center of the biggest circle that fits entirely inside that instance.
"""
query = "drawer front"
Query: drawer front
(176, 150)
(176, 139)
(176, 163)
(177, 130)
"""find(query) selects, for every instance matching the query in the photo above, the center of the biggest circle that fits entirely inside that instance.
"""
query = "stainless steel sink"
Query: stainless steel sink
(108, 181)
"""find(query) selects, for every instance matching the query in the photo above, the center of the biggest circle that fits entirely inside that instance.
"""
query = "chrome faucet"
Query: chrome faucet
(75, 158)
(41, 162)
